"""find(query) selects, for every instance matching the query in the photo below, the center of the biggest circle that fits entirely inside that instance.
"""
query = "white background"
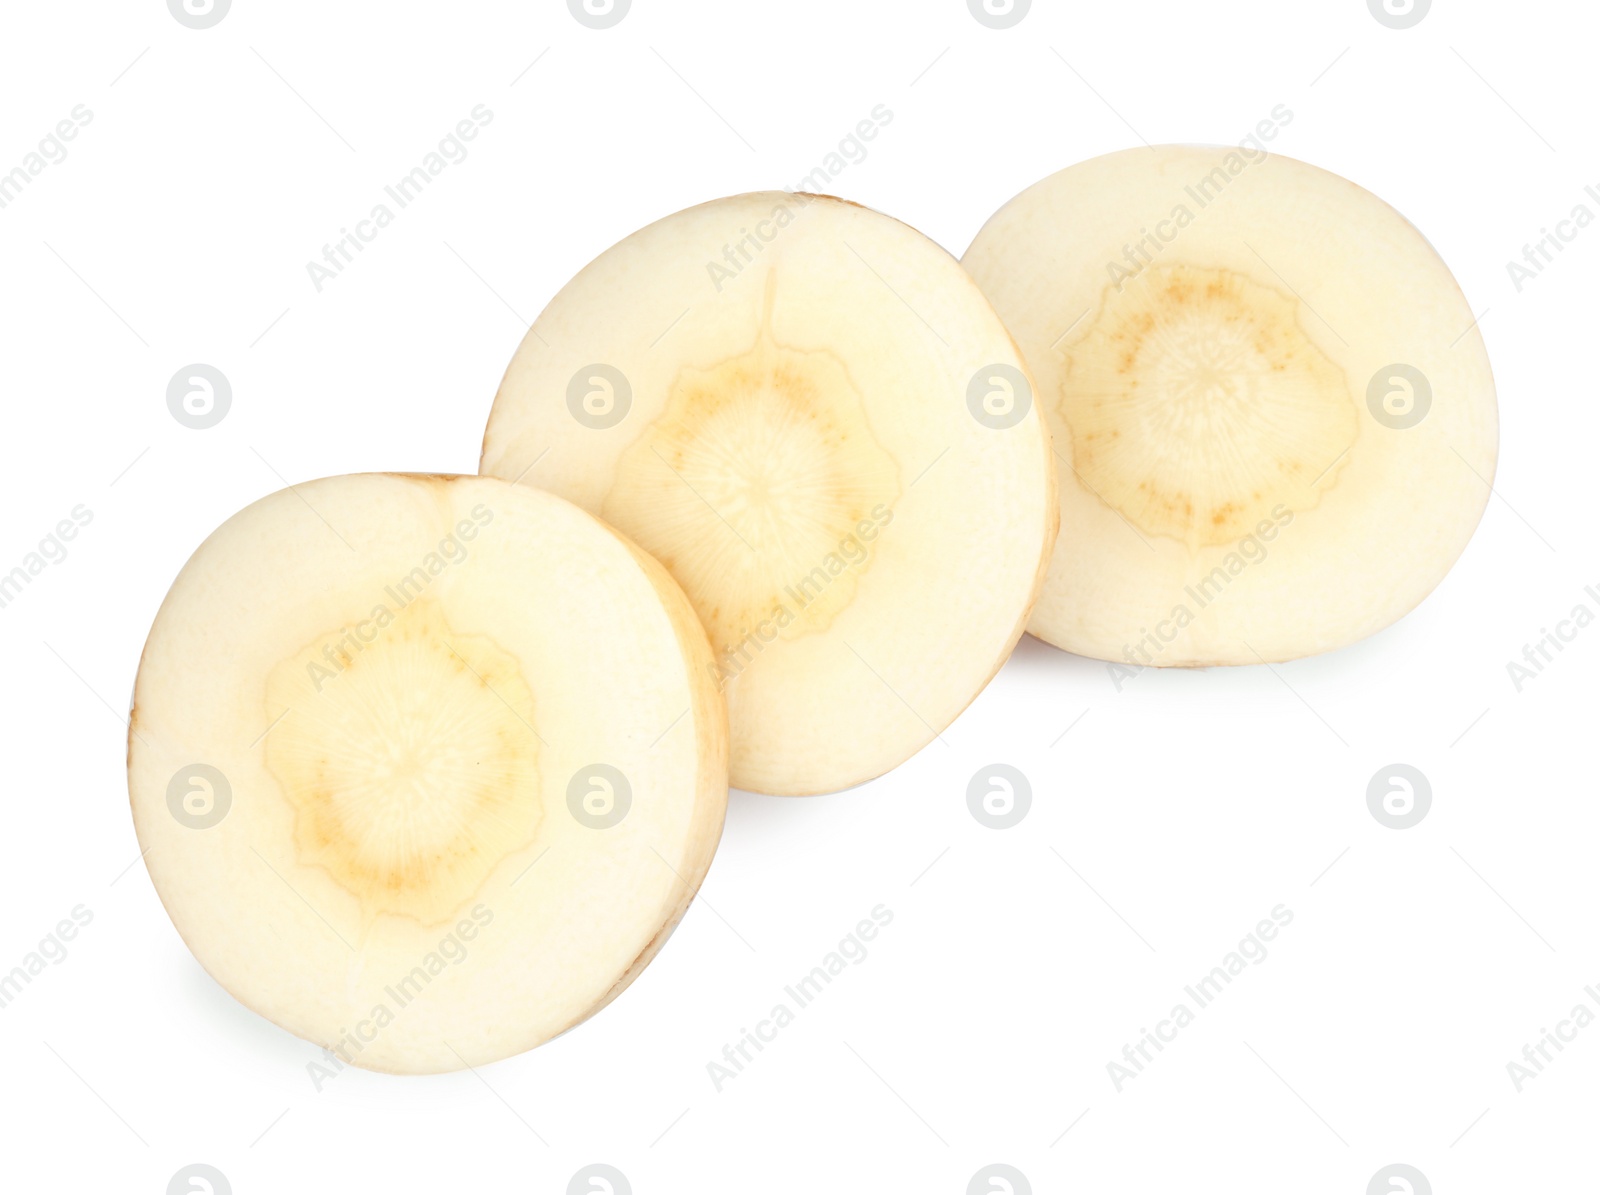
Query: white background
(1168, 816)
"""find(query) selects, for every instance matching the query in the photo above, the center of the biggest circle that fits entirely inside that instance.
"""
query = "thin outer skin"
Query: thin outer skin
(710, 713)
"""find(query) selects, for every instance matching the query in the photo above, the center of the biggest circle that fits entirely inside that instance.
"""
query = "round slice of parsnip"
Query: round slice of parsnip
(810, 415)
(425, 769)
(1273, 414)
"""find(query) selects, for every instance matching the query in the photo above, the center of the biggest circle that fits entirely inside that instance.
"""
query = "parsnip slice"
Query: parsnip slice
(810, 415)
(425, 768)
(1272, 411)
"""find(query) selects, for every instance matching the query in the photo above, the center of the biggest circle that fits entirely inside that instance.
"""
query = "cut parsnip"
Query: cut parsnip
(425, 768)
(813, 419)
(1273, 414)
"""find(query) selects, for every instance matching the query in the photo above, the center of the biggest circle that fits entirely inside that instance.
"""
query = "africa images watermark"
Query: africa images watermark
(1543, 252)
(1542, 652)
(734, 658)
(1250, 550)
(451, 952)
(851, 151)
(51, 151)
(1535, 1056)
(1252, 950)
(1141, 252)
(52, 549)
(339, 652)
(451, 151)
(850, 950)
(51, 950)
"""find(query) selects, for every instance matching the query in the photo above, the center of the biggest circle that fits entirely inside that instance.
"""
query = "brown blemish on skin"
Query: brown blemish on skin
(431, 478)
(833, 199)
